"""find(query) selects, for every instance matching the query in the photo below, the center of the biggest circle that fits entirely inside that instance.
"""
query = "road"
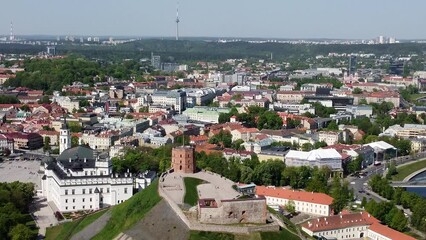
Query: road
(360, 185)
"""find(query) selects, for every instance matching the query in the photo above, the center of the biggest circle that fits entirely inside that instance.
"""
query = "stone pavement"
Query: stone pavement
(43, 215)
(217, 187)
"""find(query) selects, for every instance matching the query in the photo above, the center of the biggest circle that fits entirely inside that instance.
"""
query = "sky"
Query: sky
(338, 19)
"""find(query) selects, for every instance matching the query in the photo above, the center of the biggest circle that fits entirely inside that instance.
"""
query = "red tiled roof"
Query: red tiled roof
(340, 221)
(279, 192)
(389, 232)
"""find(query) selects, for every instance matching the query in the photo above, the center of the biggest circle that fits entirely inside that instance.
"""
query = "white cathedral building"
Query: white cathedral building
(82, 179)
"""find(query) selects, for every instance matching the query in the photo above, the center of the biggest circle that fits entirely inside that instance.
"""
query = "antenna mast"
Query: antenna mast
(12, 36)
(177, 21)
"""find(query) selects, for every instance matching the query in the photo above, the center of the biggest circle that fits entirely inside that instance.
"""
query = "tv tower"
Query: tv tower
(12, 36)
(177, 22)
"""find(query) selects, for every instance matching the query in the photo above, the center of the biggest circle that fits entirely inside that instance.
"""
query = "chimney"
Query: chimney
(69, 159)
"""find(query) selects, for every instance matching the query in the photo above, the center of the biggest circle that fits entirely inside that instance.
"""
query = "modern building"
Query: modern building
(352, 65)
(306, 202)
(407, 131)
(360, 110)
(319, 158)
(174, 98)
(205, 114)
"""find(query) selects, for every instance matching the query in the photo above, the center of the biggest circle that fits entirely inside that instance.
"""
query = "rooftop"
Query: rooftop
(280, 192)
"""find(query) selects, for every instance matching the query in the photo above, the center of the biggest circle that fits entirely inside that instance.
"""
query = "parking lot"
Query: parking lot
(23, 171)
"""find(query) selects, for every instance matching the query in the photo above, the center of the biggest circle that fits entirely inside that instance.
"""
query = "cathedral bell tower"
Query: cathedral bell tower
(65, 137)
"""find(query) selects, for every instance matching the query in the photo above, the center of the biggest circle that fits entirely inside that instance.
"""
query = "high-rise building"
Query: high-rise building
(155, 61)
(381, 40)
(396, 67)
(51, 50)
(352, 65)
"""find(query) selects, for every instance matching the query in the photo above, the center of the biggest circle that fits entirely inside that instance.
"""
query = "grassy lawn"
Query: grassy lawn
(191, 194)
(406, 170)
(125, 215)
(414, 97)
(67, 230)
(283, 234)
(196, 235)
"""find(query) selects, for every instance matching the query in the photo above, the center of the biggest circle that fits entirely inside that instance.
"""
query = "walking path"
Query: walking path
(94, 228)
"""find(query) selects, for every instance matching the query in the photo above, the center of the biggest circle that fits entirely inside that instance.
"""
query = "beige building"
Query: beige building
(305, 202)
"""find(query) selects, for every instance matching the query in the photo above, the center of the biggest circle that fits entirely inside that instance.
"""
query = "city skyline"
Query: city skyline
(331, 19)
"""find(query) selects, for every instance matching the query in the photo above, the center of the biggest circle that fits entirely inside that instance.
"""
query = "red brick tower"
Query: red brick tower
(183, 159)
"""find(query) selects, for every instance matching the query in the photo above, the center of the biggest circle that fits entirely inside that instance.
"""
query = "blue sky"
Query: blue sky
(219, 18)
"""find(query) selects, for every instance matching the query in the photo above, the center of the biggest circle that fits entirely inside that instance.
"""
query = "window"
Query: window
(107, 190)
(102, 190)
(90, 191)
(66, 208)
(90, 206)
(84, 206)
(66, 200)
(83, 200)
(66, 192)
(84, 191)
(125, 190)
(73, 191)
(73, 207)
(90, 199)
(73, 200)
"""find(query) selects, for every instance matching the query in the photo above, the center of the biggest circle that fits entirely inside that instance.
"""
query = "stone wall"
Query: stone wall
(235, 211)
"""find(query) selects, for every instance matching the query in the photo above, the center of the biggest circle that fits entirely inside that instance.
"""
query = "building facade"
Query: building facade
(305, 202)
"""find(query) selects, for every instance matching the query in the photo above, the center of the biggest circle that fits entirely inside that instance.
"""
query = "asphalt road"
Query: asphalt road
(360, 185)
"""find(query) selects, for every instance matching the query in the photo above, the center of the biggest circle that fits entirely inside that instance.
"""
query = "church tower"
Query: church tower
(65, 137)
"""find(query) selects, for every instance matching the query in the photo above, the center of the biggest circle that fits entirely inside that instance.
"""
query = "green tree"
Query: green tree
(290, 207)
(46, 146)
(307, 147)
(269, 120)
(74, 141)
(22, 232)
(25, 108)
(44, 100)
(341, 195)
(357, 91)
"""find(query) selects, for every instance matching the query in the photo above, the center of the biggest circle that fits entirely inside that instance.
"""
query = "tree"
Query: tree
(237, 145)
(341, 195)
(293, 123)
(143, 109)
(46, 146)
(332, 126)
(290, 207)
(84, 103)
(364, 202)
(307, 147)
(22, 232)
(74, 127)
(44, 100)
(357, 91)
(74, 141)
(269, 120)
(25, 108)
(320, 145)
